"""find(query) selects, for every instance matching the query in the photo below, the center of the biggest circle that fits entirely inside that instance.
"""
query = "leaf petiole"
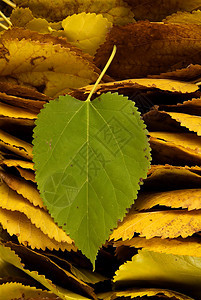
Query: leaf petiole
(102, 73)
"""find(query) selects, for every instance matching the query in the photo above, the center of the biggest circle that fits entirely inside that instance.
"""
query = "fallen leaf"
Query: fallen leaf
(175, 148)
(18, 224)
(15, 145)
(86, 31)
(186, 198)
(164, 224)
(15, 112)
(146, 48)
(117, 11)
(149, 292)
(185, 17)
(21, 16)
(14, 290)
(161, 267)
(10, 200)
(18, 163)
(146, 9)
(192, 107)
(188, 246)
(193, 123)
(22, 187)
(27, 174)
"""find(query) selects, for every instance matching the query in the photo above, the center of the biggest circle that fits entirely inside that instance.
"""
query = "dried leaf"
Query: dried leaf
(15, 112)
(190, 73)
(176, 148)
(188, 198)
(18, 224)
(15, 145)
(157, 10)
(192, 107)
(193, 123)
(38, 64)
(21, 16)
(27, 174)
(146, 48)
(86, 31)
(11, 257)
(150, 292)
(10, 200)
(22, 187)
(164, 224)
(14, 290)
(167, 177)
(188, 246)
(161, 267)
(18, 163)
(185, 17)
(117, 11)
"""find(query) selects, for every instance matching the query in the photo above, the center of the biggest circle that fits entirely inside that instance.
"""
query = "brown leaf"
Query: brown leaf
(184, 17)
(146, 48)
(164, 224)
(192, 107)
(157, 10)
(16, 112)
(27, 174)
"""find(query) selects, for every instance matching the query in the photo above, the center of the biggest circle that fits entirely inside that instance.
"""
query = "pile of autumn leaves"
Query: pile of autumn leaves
(158, 65)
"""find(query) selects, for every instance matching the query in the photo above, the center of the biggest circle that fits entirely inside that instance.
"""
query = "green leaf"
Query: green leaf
(90, 158)
(161, 267)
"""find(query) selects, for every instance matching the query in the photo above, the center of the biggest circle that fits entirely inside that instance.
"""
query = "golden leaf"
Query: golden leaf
(21, 16)
(14, 290)
(140, 292)
(164, 224)
(192, 107)
(15, 112)
(18, 163)
(10, 200)
(176, 148)
(184, 17)
(157, 10)
(15, 145)
(193, 123)
(146, 48)
(188, 246)
(188, 198)
(26, 174)
(86, 31)
(117, 11)
(163, 177)
(37, 63)
(18, 224)
(161, 267)
(22, 187)
(11, 257)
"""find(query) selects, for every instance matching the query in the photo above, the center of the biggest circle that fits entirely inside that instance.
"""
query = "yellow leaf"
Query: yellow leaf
(161, 268)
(22, 187)
(11, 257)
(15, 145)
(27, 174)
(192, 107)
(38, 63)
(38, 24)
(18, 224)
(18, 163)
(10, 200)
(176, 148)
(193, 123)
(184, 17)
(157, 10)
(188, 198)
(15, 112)
(164, 224)
(117, 11)
(86, 31)
(188, 246)
(21, 16)
(163, 177)
(14, 290)
(136, 293)
(146, 48)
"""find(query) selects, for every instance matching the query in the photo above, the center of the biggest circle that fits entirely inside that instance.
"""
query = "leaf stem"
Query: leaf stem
(102, 73)
(3, 26)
